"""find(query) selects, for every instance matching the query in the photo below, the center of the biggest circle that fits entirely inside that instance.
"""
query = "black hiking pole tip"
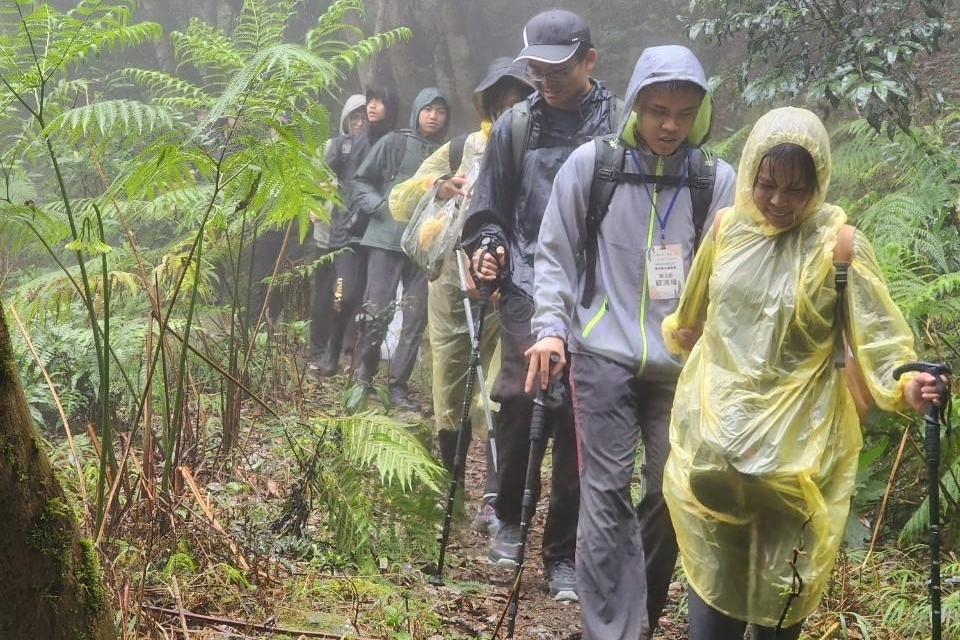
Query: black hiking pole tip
(463, 441)
(529, 503)
(931, 444)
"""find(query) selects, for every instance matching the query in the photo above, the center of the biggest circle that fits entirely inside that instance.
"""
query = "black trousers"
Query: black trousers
(332, 312)
(323, 302)
(706, 623)
(513, 446)
(385, 271)
(267, 255)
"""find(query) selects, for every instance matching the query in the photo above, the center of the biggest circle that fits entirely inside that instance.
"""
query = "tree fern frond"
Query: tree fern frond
(389, 446)
(22, 224)
(111, 117)
(347, 59)
(166, 88)
(261, 24)
(208, 49)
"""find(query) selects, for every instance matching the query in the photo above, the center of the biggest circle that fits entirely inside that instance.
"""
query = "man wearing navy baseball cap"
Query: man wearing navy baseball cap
(554, 36)
(527, 145)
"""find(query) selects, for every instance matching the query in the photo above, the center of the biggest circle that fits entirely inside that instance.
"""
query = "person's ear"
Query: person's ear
(590, 59)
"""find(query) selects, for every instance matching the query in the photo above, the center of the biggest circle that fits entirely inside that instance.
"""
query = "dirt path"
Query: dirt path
(476, 591)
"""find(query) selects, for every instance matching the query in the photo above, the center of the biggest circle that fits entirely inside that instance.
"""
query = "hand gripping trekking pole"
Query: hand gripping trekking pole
(529, 503)
(485, 289)
(932, 417)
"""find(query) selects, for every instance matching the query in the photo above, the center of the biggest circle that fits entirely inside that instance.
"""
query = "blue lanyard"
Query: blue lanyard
(662, 220)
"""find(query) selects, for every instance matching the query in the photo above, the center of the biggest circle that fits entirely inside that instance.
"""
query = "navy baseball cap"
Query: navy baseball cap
(553, 36)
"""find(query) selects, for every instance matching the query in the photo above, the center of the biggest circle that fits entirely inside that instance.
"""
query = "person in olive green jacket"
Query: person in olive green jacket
(393, 159)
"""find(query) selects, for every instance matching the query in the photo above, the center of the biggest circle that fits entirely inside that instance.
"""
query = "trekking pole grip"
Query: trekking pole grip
(489, 243)
(937, 370)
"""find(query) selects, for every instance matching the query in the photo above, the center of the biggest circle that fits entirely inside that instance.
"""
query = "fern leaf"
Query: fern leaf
(111, 117)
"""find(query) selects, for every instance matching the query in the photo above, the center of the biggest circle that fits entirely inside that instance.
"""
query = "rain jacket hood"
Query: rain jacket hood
(393, 159)
(501, 68)
(425, 97)
(354, 102)
(764, 434)
(667, 63)
(780, 126)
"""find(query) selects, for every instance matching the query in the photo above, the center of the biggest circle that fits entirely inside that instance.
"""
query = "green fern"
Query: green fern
(101, 119)
(351, 470)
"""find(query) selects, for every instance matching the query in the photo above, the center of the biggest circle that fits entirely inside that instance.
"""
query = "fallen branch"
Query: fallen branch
(249, 626)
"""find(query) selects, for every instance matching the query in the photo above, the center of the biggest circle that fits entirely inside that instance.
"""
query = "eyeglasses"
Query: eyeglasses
(538, 76)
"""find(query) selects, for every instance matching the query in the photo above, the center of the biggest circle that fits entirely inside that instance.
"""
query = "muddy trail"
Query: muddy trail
(476, 592)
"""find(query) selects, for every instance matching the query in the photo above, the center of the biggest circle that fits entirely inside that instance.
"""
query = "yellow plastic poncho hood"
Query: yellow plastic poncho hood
(764, 435)
(780, 126)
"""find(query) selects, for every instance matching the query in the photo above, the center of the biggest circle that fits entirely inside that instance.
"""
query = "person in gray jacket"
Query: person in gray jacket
(622, 377)
(393, 159)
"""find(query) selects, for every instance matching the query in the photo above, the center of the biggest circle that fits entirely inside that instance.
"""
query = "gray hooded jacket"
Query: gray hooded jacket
(394, 158)
(337, 155)
(623, 322)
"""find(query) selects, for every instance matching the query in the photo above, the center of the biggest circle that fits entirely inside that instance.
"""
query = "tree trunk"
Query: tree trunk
(52, 588)
(371, 72)
(211, 12)
(161, 12)
(454, 65)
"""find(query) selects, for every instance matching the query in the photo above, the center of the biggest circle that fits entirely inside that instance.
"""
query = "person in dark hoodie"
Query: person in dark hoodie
(394, 158)
(330, 235)
(567, 109)
(348, 224)
(622, 376)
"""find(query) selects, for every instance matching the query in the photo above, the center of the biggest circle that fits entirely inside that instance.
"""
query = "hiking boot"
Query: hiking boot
(486, 522)
(505, 546)
(323, 367)
(562, 581)
(400, 400)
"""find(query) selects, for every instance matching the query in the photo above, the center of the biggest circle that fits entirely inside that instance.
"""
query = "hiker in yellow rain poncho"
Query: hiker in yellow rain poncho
(450, 339)
(764, 434)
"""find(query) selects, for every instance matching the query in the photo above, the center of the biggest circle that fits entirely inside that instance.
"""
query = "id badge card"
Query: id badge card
(665, 271)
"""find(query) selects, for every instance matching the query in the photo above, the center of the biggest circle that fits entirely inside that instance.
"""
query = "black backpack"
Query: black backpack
(456, 151)
(521, 128)
(608, 173)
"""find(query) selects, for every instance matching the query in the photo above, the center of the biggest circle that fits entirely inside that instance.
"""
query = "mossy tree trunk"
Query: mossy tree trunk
(52, 587)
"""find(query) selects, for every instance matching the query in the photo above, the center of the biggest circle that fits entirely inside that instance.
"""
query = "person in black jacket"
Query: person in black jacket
(393, 159)
(347, 226)
(329, 235)
(510, 196)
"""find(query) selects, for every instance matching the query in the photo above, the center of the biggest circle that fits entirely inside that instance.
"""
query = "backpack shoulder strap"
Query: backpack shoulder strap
(701, 178)
(607, 174)
(397, 150)
(842, 254)
(457, 144)
(519, 132)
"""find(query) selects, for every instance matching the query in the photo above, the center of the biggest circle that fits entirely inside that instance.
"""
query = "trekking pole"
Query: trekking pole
(482, 391)
(529, 503)
(932, 417)
(487, 244)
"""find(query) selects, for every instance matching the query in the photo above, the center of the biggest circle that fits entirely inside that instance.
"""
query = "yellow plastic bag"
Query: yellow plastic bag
(434, 228)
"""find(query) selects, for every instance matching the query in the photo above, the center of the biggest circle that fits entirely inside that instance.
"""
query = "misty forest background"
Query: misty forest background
(166, 463)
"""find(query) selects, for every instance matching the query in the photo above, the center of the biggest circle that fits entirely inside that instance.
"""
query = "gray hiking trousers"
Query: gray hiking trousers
(625, 556)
